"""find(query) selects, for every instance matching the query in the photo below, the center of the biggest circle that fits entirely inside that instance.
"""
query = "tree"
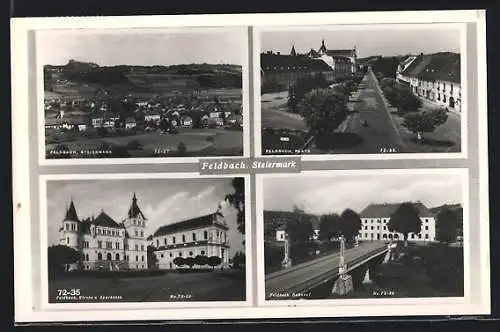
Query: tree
(299, 229)
(201, 260)
(213, 261)
(59, 256)
(239, 259)
(425, 122)
(152, 260)
(447, 225)
(406, 100)
(329, 226)
(292, 100)
(405, 220)
(237, 200)
(350, 224)
(134, 145)
(179, 261)
(324, 110)
(189, 261)
(181, 148)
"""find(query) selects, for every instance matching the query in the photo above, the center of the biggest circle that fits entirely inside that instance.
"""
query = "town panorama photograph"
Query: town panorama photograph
(361, 90)
(363, 236)
(146, 240)
(138, 93)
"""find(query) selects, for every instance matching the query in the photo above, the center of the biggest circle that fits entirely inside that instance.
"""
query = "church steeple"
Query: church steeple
(134, 209)
(322, 49)
(293, 52)
(71, 212)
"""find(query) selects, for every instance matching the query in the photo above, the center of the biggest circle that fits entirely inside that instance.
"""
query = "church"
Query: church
(105, 244)
(341, 61)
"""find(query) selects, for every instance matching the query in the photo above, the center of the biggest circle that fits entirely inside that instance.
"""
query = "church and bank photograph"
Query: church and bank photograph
(360, 234)
(383, 89)
(144, 240)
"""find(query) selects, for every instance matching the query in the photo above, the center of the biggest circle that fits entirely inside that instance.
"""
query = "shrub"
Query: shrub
(181, 149)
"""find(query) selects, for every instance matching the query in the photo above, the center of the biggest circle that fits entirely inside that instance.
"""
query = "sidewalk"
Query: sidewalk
(431, 104)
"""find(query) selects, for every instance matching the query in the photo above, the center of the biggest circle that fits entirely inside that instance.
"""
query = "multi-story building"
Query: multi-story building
(205, 236)
(375, 217)
(343, 62)
(104, 243)
(434, 78)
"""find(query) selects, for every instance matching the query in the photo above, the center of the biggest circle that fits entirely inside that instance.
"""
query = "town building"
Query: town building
(286, 69)
(275, 223)
(343, 61)
(77, 123)
(434, 78)
(105, 120)
(105, 244)
(205, 235)
(375, 217)
(130, 123)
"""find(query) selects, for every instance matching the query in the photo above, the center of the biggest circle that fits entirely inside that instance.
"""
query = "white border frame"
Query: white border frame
(45, 305)
(396, 304)
(316, 25)
(106, 26)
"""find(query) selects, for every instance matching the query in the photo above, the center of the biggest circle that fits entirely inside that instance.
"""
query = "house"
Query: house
(105, 244)
(186, 121)
(130, 123)
(67, 123)
(105, 120)
(205, 235)
(375, 217)
(152, 116)
(434, 78)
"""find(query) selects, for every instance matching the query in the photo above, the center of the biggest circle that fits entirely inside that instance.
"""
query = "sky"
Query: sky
(333, 194)
(370, 41)
(141, 46)
(162, 201)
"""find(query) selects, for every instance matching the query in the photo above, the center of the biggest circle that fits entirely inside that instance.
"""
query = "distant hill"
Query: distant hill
(201, 75)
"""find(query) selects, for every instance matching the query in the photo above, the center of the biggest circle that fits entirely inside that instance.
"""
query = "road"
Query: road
(285, 280)
(201, 286)
(381, 132)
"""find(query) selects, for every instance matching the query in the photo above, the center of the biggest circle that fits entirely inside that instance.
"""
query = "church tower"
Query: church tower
(136, 243)
(71, 228)
(293, 52)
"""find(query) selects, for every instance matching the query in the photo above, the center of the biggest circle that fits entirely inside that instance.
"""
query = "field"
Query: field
(197, 141)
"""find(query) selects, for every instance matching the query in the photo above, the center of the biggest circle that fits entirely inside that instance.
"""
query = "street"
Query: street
(200, 286)
(281, 281)
(274, 114)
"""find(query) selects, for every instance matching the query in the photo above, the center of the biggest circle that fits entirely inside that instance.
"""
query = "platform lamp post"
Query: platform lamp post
(343, 285)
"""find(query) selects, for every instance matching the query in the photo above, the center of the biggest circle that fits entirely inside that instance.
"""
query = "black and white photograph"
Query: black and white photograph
(139, 93)
(378, 235)
(373, 89)
(146, 240)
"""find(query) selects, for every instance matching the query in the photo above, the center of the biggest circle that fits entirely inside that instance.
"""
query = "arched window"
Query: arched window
(142, 258)
(205, 235)
(173, 239)
(108, 256)
(136, 258)
(165, 241)
(117, 257)
(183, 238)
(194, 236)
(99, 257)
(87, 257)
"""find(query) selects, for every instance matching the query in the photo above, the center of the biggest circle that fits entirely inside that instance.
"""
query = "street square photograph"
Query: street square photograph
(146, 240)
(138, 93)
(378, 235)
(361, 90)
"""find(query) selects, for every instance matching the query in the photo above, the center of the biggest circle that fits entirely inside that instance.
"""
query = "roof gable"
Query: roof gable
(71, 213)
(106, 221)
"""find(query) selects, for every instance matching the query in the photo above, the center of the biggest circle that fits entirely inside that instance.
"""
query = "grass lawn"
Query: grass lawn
(205, 286)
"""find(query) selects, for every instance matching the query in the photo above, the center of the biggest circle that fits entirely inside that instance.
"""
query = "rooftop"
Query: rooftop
(279, 62)
(444, 66)
(198, 222)
(385, 210)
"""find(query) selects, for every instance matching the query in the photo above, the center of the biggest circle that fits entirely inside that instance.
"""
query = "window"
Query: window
(173, 240)
(180, 254)
(372, 228)
(366, 235)
(109, 245)
(99, 257)
(426, 228)
(378, 228)
(142, 233)
(142, 247)
(117, 257)
(157, 243)
(87, 257)
(161, 255)
(165, 241)
(170, 255)
(136, 247)
(99, 244)
(426, 236)
(67, 240)
(203, 252)
(142, 258)
(99, 231)
(135, 232)
(205, 235)
(190, 253)
(136, 258)
(183, 238)
(117, 245)
(67, 227)
(126, 257)
(194, 236)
